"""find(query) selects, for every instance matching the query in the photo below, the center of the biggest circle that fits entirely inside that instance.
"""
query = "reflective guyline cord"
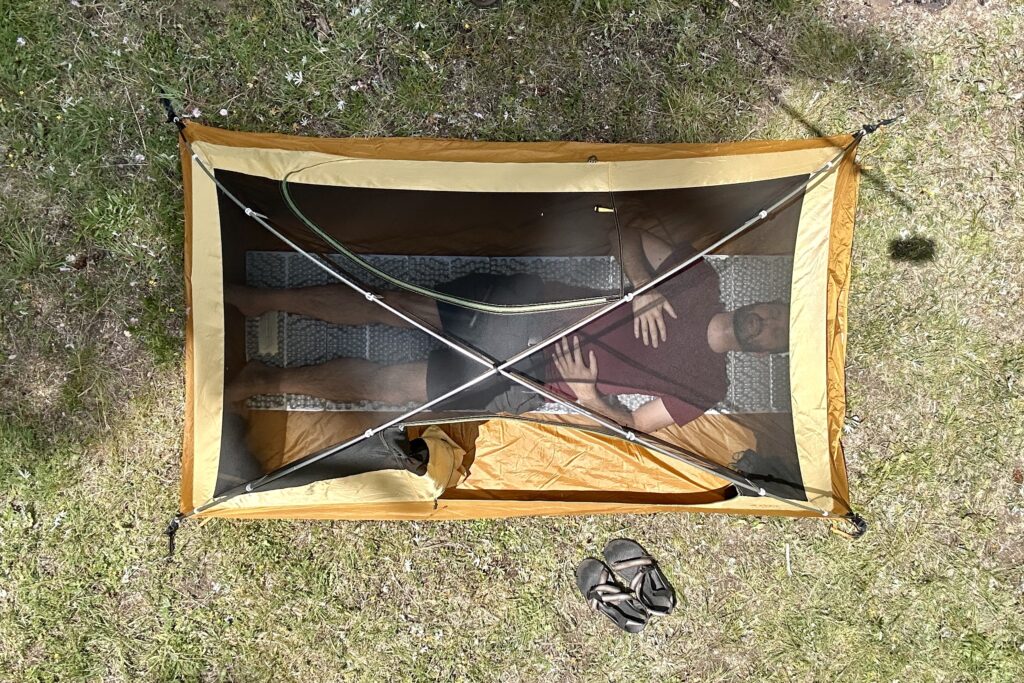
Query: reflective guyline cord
(500, 309)
(644, 439)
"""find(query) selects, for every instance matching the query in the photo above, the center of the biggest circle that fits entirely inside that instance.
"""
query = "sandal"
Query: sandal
(643, 576)
(604, 595)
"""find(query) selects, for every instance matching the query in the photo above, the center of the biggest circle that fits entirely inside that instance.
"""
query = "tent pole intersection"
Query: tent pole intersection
(494, 368)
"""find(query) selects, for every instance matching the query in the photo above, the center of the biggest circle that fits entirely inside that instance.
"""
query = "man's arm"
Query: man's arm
(650, 417)
(581, 377)
(641, 254)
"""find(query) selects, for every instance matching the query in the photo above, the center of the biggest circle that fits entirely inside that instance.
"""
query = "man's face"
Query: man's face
(762, 327)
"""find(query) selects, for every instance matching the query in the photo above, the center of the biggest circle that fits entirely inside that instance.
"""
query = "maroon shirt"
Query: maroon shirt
(683, 371)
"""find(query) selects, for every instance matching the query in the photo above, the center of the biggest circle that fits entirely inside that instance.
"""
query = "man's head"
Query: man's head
(762, 327)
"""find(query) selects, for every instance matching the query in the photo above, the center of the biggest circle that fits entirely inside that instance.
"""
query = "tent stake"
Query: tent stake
(171, 531)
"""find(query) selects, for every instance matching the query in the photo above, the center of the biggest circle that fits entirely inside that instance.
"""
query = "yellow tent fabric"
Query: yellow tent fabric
(509, 467)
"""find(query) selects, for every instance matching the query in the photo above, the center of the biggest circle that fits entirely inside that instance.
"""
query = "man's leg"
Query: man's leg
(341, 379)
(337, 304)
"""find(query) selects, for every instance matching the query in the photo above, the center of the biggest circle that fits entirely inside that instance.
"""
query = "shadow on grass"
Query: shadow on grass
(912, 249)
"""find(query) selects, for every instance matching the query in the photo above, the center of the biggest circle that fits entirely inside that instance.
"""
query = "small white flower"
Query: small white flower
(59, 519)
(478, 115)
(341, 105)
(293, 77)
(139, 158)
(355, 11)
(223, 112)
(418, 25)
(127, 333)
(20, 42)
(196, 113)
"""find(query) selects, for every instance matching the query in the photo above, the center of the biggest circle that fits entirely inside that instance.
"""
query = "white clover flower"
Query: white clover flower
(341, 105)
(20, 42)
(223, 112)
(418, 25)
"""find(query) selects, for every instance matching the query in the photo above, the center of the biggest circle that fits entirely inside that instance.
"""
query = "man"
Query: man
(669, 342)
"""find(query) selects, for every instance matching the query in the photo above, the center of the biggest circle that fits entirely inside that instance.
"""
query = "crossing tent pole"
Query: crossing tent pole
(502, 368)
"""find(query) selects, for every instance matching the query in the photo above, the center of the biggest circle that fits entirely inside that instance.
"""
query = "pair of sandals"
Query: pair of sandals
(644, 591)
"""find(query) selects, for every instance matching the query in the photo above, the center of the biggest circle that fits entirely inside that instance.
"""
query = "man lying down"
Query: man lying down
(669, 343)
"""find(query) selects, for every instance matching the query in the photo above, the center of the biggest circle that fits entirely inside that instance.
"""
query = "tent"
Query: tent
(349, 298)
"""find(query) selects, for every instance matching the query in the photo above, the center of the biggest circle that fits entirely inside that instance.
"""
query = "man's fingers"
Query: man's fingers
(577, 355)
(636, 326)
(644, 328)
(661, 326)
(593, 365)
(671, 311)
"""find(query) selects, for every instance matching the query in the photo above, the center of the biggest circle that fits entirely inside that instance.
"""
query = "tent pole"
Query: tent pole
(646, 440)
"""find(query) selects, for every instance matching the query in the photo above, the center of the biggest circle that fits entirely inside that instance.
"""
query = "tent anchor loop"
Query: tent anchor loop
(869, 128)
(172, 116)
(170, 532)
(851, 519)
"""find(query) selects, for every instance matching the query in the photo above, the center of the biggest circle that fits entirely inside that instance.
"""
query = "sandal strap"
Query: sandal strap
(608, 592)
(642, 561)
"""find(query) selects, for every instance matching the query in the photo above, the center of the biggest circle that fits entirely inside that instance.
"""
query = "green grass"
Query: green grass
(91, 326)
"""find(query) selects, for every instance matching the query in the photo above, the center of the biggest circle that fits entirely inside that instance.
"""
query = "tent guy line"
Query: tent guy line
(499, 309)
(635, 436)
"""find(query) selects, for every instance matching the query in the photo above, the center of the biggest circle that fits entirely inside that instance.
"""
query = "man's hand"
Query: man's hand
(649, 311)
(578, 375)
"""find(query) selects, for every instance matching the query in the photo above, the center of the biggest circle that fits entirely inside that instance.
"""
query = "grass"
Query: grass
(91, 331)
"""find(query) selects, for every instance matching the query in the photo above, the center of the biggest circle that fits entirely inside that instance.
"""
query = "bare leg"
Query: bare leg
(341, 379)
(336, 304)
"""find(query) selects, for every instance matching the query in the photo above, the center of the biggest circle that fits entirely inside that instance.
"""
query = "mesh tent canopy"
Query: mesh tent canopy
(414, 328)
